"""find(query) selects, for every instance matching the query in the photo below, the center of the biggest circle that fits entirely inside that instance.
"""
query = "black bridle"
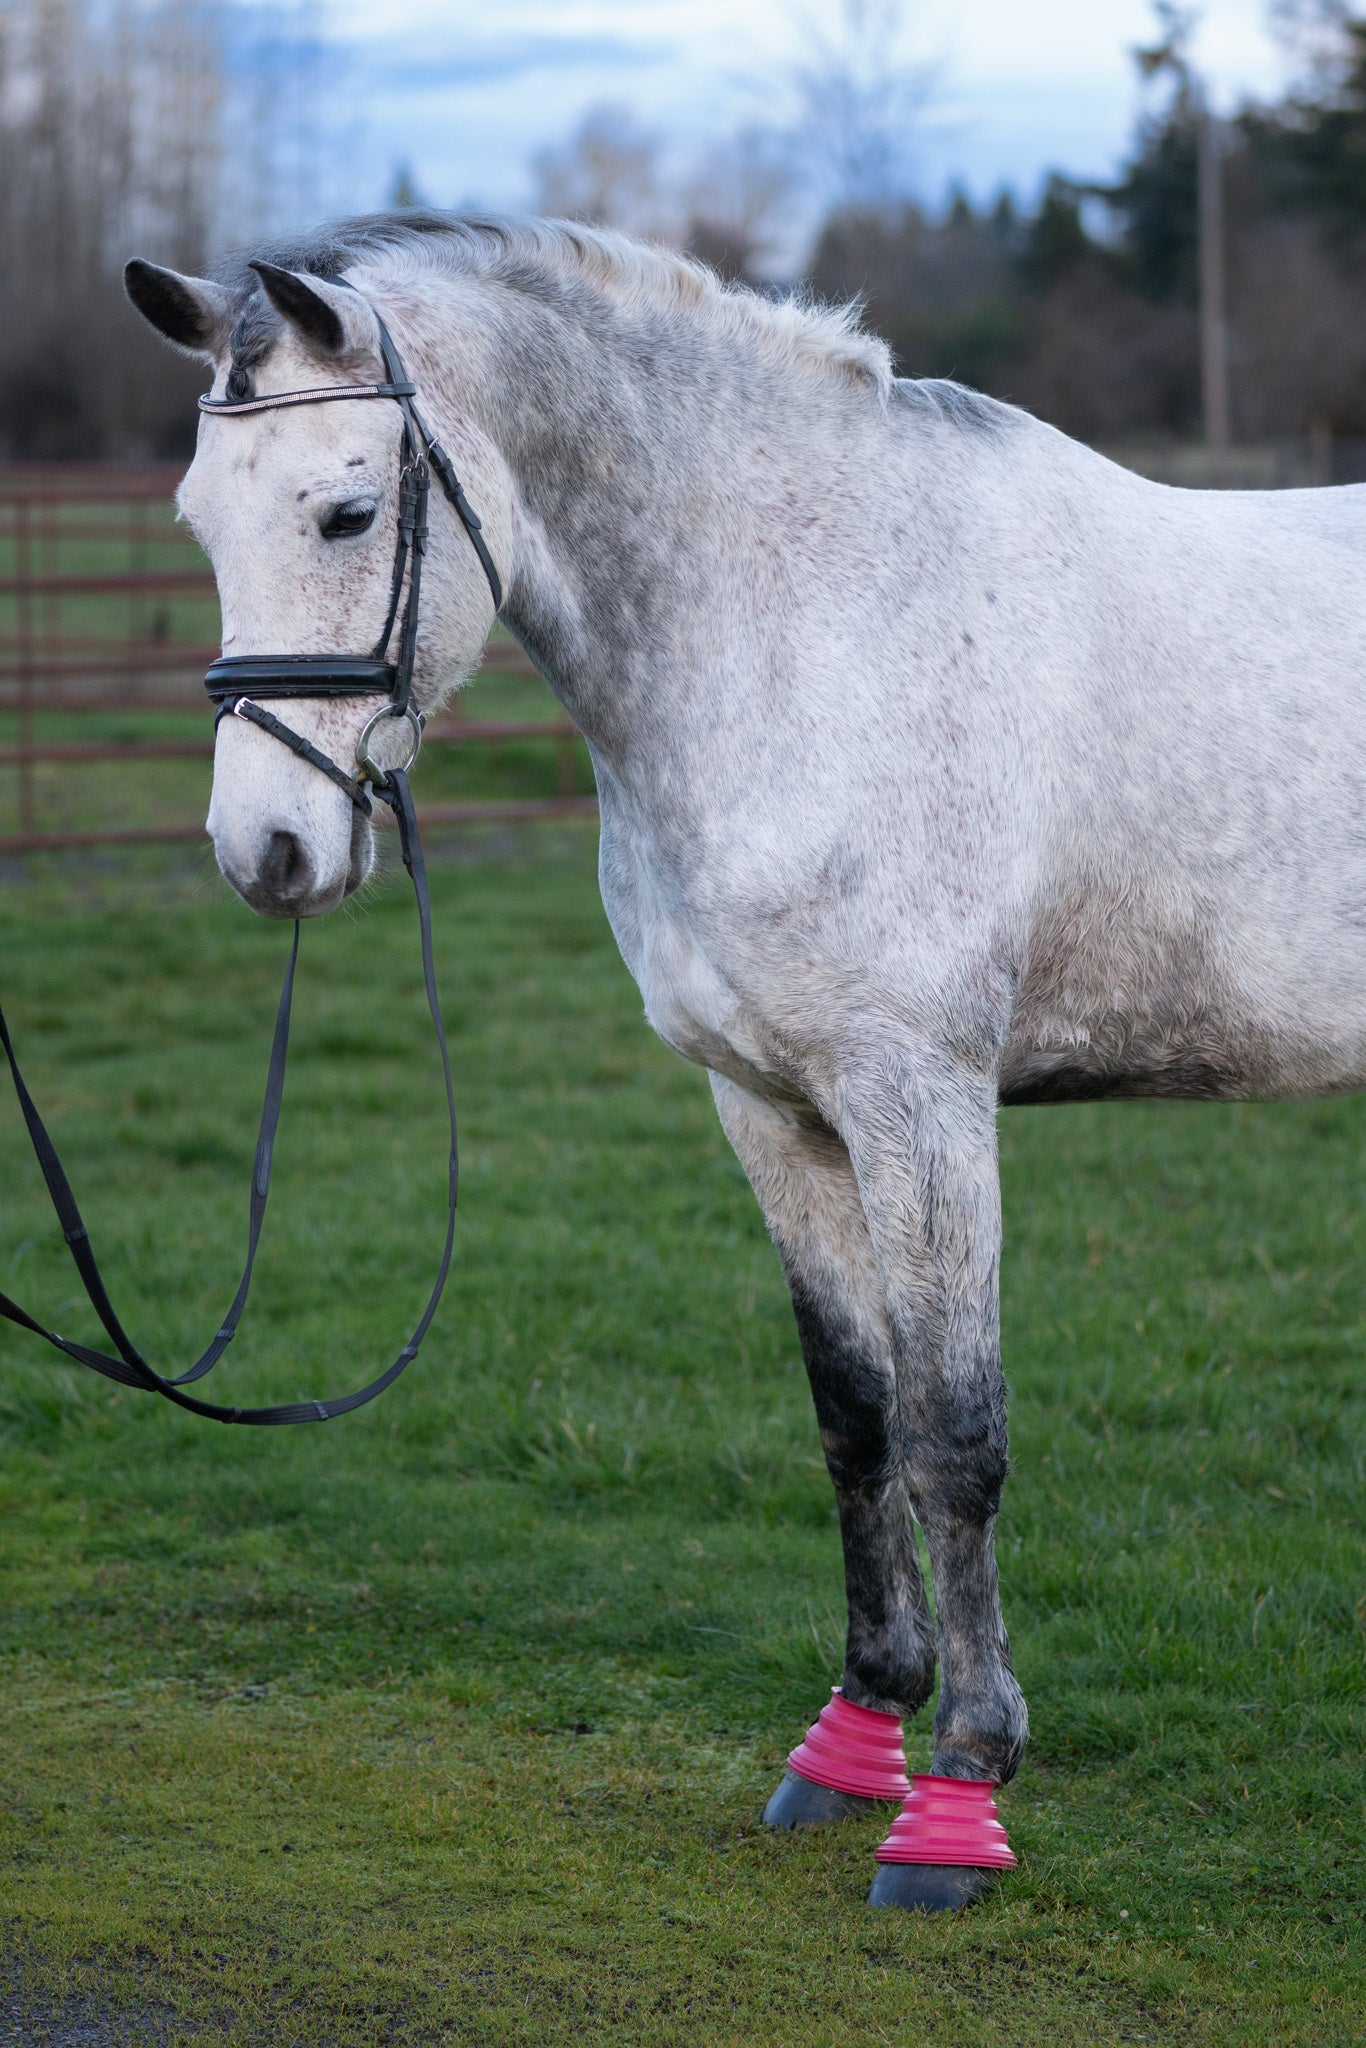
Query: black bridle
(237, 684)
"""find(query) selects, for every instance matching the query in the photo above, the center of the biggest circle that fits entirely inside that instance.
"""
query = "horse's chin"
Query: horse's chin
(286, 880)
(361, 858)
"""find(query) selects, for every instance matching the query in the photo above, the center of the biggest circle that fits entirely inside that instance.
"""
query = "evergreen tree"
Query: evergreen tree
(1310, 154)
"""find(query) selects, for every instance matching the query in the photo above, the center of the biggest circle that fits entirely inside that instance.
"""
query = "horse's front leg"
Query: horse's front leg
(921, 1134)
(800, 1171)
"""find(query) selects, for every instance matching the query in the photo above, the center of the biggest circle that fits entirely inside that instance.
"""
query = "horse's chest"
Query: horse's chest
(689, 999)
(693, 1007)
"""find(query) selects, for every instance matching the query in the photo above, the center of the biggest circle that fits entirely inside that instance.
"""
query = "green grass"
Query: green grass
(452, 1722)
(92, 536)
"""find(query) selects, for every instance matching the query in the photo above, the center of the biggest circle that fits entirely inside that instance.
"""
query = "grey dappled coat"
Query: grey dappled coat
(942, 763)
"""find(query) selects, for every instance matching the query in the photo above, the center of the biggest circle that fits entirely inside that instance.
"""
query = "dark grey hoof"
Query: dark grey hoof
(798, 1803)
(929, 1887)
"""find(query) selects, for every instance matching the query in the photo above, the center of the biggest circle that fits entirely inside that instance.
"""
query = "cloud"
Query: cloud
(388, 67)
(467, 94)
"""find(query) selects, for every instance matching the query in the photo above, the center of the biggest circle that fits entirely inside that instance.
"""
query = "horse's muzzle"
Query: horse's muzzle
(285, 882)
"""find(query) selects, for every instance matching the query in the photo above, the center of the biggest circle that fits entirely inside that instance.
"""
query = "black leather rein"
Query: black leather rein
(237, 685)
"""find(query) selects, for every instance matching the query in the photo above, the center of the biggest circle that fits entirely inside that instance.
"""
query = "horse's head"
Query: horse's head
(297, 510)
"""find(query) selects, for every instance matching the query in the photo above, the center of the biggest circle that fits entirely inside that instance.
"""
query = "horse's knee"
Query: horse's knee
(852, 1389)
(957, 1463)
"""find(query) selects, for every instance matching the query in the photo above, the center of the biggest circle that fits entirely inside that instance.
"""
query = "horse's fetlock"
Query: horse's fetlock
(984, 1737)
(892, 1677)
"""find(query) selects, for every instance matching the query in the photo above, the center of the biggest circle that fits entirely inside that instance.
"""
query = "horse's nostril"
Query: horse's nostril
(286, 870)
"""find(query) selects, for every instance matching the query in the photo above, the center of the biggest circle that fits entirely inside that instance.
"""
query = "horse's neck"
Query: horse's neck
(645, 504)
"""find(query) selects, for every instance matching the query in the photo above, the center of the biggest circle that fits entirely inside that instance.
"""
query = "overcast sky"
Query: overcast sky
(466, 93)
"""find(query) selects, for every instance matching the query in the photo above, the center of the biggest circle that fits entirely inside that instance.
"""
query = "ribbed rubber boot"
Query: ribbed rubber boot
(854, 1749)
(944, 1848)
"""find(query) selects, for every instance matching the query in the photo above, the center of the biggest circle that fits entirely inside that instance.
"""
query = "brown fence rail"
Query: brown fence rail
(108, 619)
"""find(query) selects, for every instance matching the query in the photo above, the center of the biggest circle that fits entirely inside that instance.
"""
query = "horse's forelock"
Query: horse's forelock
(255, 332)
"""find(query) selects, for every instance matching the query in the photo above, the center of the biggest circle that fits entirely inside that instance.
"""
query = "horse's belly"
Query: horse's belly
(1168, 1017)
(1117, 1062)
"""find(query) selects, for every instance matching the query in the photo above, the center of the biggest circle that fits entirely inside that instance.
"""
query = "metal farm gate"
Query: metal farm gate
(108, 620)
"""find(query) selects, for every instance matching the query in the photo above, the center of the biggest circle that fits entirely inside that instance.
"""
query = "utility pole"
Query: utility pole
(1213, 316)
(1171, 56)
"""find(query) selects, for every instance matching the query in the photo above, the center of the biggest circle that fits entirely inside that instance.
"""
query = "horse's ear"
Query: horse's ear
(333, 320)
(189, 311)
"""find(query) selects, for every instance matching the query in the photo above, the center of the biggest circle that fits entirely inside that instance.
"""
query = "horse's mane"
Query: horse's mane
(545, 258)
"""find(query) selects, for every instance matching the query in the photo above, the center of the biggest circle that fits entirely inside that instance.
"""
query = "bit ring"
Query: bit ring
(377, 772)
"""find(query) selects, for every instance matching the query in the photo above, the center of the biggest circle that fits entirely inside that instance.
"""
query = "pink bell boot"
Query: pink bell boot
(851, 1758)
(945, 1847)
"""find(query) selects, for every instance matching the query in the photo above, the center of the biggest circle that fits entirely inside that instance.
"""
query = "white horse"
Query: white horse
(942, 764)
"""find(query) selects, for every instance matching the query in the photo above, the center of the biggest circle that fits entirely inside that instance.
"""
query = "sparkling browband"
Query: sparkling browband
(271, 400)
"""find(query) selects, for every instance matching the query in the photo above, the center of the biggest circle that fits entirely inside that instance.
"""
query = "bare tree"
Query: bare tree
(1312, 31)
(158, 126)
(861, 98)
(609, 171)
(855, 100)
(738, 203)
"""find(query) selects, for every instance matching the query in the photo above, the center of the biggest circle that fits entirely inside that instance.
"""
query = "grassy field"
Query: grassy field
(453, 1722)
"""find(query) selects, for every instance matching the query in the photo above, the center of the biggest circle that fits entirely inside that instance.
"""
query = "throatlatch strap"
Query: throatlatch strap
(465, 512)
(129, 1367)
(441, 463)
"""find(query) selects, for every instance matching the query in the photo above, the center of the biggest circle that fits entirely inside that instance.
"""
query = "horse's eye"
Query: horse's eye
(356, 515)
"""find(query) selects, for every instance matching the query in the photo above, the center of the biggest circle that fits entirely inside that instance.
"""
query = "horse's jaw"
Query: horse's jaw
(287, 840)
